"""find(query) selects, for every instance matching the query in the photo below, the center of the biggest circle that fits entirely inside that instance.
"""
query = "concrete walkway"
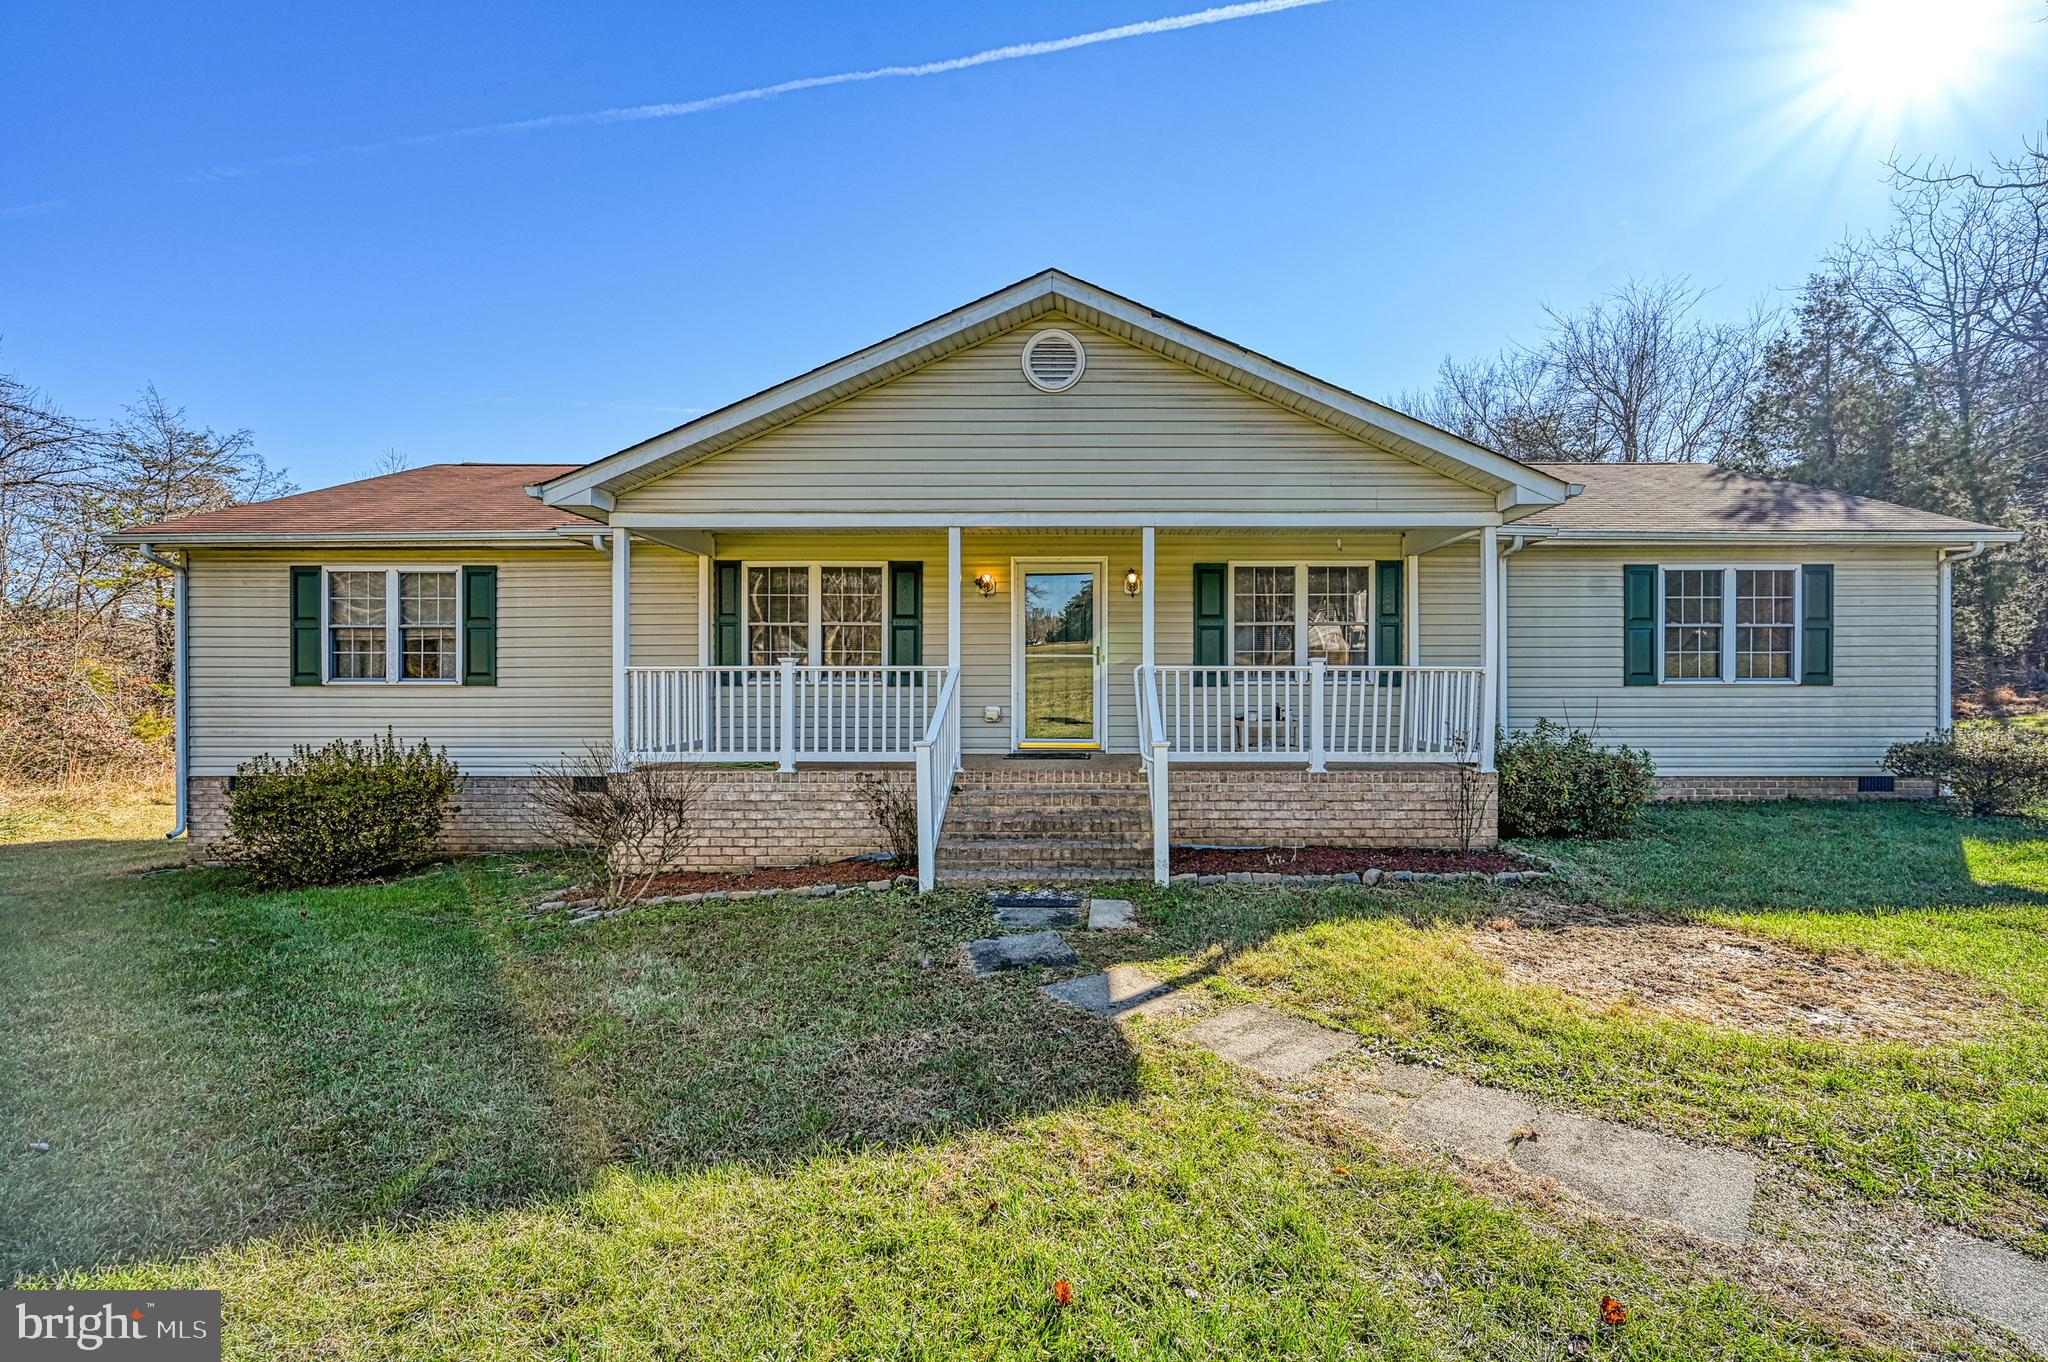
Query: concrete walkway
(1705, 1190)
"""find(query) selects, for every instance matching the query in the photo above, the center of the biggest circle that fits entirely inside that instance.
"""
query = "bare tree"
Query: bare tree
(1636, 377)
(640, 819)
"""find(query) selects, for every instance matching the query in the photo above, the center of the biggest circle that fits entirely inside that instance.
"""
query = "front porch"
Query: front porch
(1231, 647)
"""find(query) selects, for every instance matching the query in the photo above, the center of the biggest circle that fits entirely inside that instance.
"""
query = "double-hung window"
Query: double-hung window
(1286, 615)
(392, 624)
(1730, 624)
(831, 614)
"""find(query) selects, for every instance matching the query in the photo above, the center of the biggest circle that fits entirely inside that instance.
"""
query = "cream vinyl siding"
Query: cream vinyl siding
(664, 632)
(553, 695)
(1564, 652)
(969, 434)
(1447, 613)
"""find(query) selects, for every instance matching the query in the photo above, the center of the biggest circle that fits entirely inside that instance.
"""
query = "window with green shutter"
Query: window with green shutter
(305, 638)
(1212, 619)
(1639, 627)
(479, 626)
(906, 617)
(1390, 625)
(1817, 625)
(726, 614)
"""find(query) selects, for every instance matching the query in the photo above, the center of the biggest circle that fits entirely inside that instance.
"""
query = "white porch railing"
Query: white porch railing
(780, 714)
(1320, 713)
(938, 757)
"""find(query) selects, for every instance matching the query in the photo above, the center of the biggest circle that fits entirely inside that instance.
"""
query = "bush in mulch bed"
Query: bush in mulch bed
(1336, 861)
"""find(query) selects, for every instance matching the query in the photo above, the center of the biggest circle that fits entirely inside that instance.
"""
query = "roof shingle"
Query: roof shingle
(441, 498)
(1698, 498)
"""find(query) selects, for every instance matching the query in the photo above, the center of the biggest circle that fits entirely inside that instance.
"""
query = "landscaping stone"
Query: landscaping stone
(1036, 916)
(1024, 951)
(1120, 991)
(1997, 1284)
(1111, 915)
(1270, 1043)
(1185, 877)
(1404, 875)
(1371, 876)
(1208, 879)
(1036, 898)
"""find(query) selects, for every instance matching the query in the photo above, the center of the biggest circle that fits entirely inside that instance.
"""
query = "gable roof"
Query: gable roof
(1695, 500)
(439, 501)
(590, 489)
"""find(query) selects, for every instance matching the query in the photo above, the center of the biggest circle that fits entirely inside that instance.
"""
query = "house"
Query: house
(1090, 581)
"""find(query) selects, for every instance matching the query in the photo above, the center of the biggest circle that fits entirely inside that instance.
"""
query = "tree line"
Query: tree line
(86, 631)
(1912, 365)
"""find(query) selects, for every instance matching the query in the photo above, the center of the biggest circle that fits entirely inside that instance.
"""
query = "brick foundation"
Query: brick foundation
(1378, 806)
(761, 817)
(1692, 788)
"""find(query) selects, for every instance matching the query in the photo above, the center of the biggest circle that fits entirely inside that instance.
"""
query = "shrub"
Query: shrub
(345, 811)
(1992, 768)
(1558, 782)
(893, 806)
(640, 819)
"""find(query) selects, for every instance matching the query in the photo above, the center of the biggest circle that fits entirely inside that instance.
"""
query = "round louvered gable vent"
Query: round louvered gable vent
(1053, 361)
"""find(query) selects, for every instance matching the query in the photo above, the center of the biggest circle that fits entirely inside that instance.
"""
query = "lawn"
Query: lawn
(417, 1120)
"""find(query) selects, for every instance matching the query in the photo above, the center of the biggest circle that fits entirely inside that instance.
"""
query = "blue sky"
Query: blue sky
(1357, 188)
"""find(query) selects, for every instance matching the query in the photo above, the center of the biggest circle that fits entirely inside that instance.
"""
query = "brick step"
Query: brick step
(1023, 855)
(1052, 790)
(1063, 875)
(1119, 824)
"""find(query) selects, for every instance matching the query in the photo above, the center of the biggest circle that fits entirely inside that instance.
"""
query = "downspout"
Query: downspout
(1515, 545)
(1944, 665)
(181, 736)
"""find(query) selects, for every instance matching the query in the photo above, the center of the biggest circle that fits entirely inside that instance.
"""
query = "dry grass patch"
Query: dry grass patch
(1726, 978)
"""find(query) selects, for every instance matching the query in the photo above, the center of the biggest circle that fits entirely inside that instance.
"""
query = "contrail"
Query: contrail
(1221, 14)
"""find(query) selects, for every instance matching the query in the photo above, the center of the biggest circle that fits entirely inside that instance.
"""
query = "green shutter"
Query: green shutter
(1639, 630)
(1817, 625)
(305, 626)
(906, 617)
(479, 626)
(726, 629)
(1212, 619)
(1389, 620)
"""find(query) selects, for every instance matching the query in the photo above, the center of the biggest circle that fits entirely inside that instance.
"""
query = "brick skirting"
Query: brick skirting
(1692, 788)
(755, 817)
(1376, 806)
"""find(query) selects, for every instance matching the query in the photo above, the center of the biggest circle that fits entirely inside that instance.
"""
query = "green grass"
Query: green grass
(412, 1120)
(1959, 1129)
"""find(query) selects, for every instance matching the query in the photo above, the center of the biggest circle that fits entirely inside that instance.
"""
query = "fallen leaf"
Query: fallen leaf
(1612, 1311)
(1063, 1292)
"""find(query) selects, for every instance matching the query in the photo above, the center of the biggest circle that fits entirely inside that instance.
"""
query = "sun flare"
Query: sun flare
(1891, 54)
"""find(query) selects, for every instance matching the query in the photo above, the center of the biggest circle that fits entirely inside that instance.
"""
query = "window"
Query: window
(363, 645)
(835, 614)
(1340, 614)
(355, 626)
(1263, 614)
(1764, 611)
(778, 614)
(1692, 625)
(850, 614)
(426, 626)
(1730, 624)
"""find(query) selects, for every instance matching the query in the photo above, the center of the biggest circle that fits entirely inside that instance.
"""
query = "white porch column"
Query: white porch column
(1944, 667)
(1489, 640)
(622, 640)
(707, 645)
(1411, 610)
(953, 572)
(1148, 559)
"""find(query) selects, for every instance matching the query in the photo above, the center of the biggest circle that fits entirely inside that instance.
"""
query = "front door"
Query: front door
(1058, 655)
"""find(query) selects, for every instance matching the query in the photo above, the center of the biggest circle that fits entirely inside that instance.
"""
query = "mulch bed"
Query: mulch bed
(1335, 861)
(770, 877)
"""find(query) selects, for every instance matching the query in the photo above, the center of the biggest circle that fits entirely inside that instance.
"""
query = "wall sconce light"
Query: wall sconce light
(1132, 582)
(985, 583)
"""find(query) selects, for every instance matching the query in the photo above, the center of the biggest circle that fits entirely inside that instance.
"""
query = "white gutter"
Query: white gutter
(1944, 665)
(181, 738)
